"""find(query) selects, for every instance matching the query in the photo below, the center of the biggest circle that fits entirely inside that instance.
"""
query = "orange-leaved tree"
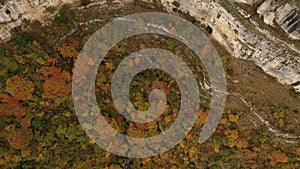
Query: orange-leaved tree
(19, 87)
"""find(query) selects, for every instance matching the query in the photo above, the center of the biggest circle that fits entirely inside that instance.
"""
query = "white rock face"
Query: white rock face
(250, 2)
(288, 17)
(244, 43)
(267, 10)
(269, 18)
(15, 11)
(266, 6)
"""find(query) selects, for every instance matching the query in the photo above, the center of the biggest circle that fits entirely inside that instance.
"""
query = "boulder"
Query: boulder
(266, 7)
(249, 2)
(269, 18)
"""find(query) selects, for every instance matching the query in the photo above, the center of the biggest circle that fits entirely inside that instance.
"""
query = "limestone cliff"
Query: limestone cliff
(14, 12)
(247, 39)
(243, 35)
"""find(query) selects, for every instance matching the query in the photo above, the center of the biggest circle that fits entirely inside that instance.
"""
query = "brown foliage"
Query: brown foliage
(67, 51)
(142, 46)
(11, 107)
(20, 87)
(278, 156)
(56, 84)
(157, 84)
(202, 117)
(18, 138)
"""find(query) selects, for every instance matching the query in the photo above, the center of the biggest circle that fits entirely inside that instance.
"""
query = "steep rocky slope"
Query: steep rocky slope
(14, 12)
(245, 38)
(232, 26)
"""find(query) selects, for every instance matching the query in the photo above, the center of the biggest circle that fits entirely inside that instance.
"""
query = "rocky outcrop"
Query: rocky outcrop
(246, 42)
(267, 10)
(266, 6)
(269, 18)
(13, 12)
(288, 17)
(250, 2)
